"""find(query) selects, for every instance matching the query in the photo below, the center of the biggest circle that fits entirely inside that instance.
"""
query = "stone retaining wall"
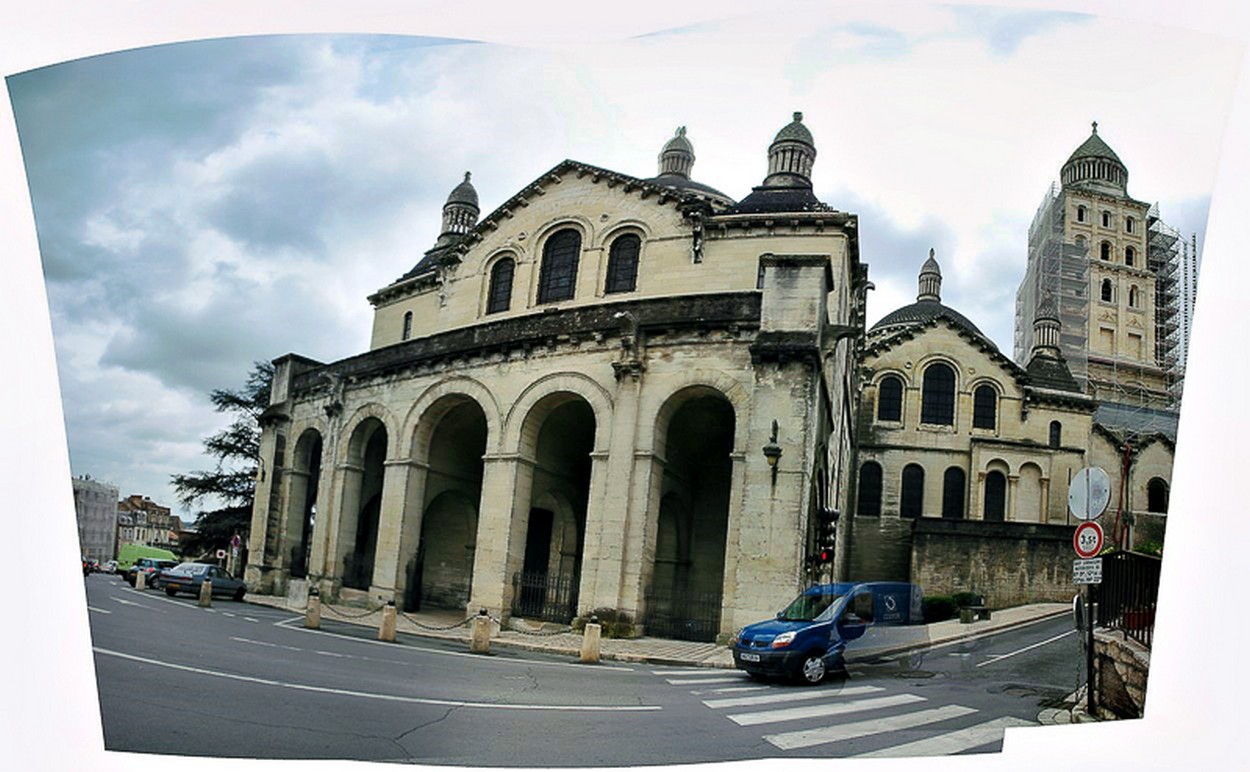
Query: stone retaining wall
(1122, 666)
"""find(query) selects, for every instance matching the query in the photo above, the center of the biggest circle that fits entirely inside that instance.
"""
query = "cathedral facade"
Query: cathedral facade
(566, 406)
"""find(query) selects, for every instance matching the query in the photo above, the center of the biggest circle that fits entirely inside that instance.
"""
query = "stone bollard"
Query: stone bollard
(590, 640)
(386, 630)
(206, 593)
(141, 580)
(480, 642)
(312, 613)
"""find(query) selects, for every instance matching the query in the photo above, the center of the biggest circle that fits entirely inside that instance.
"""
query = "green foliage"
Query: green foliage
(965, 599)
(939, 608)
(614, 623)
(1150, 548)
(229, 487)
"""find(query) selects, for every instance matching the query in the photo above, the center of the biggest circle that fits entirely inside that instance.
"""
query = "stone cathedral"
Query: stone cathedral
(643, 394)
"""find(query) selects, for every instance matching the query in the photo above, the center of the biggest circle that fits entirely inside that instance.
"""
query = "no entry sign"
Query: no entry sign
(1087, 541)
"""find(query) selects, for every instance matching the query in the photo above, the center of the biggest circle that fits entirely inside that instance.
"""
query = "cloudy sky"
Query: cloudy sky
(204, 205)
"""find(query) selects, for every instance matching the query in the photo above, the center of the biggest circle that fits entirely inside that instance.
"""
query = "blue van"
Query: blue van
(829, 624)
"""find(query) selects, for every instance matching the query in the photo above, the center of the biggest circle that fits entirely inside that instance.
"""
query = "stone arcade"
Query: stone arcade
(565, 402)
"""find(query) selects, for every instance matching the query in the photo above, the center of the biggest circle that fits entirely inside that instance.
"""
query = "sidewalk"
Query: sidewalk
(658, 651)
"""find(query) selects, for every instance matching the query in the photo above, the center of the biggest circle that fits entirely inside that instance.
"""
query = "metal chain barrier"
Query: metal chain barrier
(536, 634)
(424, 626)
(341, 615)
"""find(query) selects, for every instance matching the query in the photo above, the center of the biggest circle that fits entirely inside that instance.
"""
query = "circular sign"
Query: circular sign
(1089, 493)
(1088, 539)
(221, 554)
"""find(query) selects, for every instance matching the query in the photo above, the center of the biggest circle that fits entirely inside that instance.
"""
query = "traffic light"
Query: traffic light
(826, 535)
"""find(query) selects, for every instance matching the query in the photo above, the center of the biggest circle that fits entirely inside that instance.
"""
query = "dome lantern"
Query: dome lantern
(677, 156)
(1094, 165)
(791, 156)
(930, 280)
(460, 212)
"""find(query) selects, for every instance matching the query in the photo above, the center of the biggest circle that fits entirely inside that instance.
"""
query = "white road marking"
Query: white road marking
(952, 742)
(226, 614)
(100, 610)
(997, 657)
(820, 711)
(683, 671)
(715, 680)
(792, 695)
(373, 696)
(285, 622)
(258, 643)
(832, 734)
(251, 619)
(728, 689)
(328, 653)
(125, 602)
(599, 668)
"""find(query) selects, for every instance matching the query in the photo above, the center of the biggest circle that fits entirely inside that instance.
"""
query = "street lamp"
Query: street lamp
(772, 452)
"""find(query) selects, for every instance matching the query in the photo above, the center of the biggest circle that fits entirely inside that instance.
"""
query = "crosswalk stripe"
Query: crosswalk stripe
(791, 695)
(728, 689)
(683, 671)
(816, 711)
(953, 742)
(831, 734)
(726, 680)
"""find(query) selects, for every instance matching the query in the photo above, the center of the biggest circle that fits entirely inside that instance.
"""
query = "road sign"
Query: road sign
(221, 554)
(235, 541)
(1087, 541)
(1087, 571)
(1089, 493)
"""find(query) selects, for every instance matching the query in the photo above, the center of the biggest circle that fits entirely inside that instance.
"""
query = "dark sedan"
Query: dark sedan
(187, 577)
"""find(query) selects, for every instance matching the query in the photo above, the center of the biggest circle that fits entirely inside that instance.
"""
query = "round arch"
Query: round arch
(521, 424)
(351, 449)
(657, 411)
(433, 404)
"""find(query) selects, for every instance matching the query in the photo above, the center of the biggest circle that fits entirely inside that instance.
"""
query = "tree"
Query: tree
(230, 486)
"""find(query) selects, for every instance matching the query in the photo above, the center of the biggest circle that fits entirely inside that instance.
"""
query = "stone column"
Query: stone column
(507, 481)
(1045, 513)
(386, 567)
(976, 509)
(647, 479)
(1013, 482)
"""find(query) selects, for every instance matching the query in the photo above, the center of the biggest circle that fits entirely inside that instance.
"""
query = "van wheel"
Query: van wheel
(813, 669)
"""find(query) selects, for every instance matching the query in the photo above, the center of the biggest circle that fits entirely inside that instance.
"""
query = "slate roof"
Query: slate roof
(923, 311)
(1048, 373)
(1094, 147)
(778, 199)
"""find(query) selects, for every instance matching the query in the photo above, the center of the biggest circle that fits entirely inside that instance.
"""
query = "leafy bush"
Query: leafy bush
(939, 608)
(614, 623)
(1151, 548)
(965, 599)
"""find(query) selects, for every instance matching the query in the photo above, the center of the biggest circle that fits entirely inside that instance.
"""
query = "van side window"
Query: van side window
(861, 606)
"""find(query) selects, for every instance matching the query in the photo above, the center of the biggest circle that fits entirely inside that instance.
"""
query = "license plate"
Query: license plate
(749, 657)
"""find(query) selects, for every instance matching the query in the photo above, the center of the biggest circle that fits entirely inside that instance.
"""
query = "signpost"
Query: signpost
(1089, 493)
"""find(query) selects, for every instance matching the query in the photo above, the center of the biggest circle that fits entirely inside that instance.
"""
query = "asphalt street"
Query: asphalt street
(243, 680)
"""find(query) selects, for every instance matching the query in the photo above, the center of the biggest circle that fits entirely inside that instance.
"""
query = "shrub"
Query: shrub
(1151, 548)
(614, 623)
(965, 599)
(939, 608)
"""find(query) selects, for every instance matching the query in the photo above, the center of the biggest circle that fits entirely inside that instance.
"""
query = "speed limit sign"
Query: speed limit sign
(1088, 539)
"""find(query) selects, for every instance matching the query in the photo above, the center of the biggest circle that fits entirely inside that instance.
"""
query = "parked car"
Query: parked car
(108, 567)
(829, 624)
(150, 567)
(187, 577)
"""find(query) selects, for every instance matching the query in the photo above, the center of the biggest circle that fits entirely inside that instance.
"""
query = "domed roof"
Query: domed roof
(923, 312)
(464, 193)
(678, 142)
(1094, 147)
(795, 131)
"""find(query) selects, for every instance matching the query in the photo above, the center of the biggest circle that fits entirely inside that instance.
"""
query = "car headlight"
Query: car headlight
(782, 641)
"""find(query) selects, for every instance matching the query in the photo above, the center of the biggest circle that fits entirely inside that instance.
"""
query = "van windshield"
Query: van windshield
(809, 608)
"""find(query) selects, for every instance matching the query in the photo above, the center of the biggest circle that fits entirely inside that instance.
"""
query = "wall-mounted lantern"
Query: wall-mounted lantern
(772, 452)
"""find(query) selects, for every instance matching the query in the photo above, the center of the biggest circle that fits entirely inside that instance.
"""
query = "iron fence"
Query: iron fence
(539, 595)
(685, 617)
(1128, 593)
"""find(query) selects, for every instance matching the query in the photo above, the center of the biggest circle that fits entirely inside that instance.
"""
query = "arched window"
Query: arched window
(1104, 250)
(500, 296)
(1056, 434)
(1129, 255)
(1132, 297)
(890, 399)
(911, 502)
(953, 493)
(1157, 495)
(1080, 214)
(869, 490)
(558, 276)
(984, 407)
(407, 326)
(623, 264)
(937, 399)
(1106, 219)
(995, 497)
(1106, 293)
(1128, 224)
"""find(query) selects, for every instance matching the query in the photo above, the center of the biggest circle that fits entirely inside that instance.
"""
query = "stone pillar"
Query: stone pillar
(386, 565)
(341, 540)
(1013, 482)
(386, 629)
(1045, 513)
(642, 522)
(479, 642)
(976, 507)
(312, 615)
(590, 642)
(503, 515)
(206, 593)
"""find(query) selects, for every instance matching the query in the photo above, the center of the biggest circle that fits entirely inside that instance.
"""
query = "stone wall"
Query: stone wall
(1009, 563)
(1122, 666)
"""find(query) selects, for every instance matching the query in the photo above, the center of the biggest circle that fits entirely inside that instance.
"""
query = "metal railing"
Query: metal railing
(1128, 593)
(684, 617)
(549, 597)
